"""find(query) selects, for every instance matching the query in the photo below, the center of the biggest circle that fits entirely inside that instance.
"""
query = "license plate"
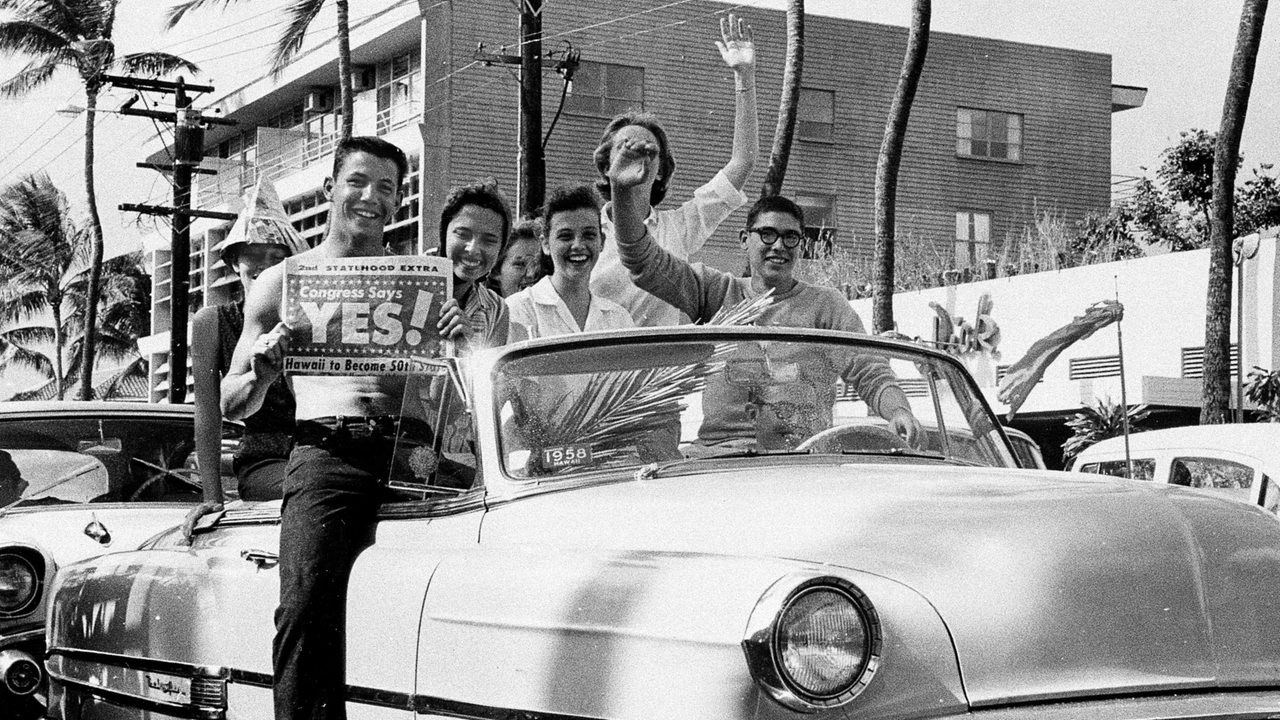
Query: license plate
(554, 458)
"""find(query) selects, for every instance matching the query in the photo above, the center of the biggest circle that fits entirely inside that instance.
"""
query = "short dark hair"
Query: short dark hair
(529, 228)
(481, 193)
(376, 147)
(567, 199)
(666, 162)
(774, 203)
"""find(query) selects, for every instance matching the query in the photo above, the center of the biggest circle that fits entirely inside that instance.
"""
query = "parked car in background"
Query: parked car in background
(561, 562)
(78, 479)
(1240, 461)
(1025, 449)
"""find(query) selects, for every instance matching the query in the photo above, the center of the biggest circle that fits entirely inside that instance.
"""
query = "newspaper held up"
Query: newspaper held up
(364, 316)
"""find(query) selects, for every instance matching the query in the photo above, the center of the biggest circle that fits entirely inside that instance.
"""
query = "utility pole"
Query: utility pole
(188, 151)
(532, 165)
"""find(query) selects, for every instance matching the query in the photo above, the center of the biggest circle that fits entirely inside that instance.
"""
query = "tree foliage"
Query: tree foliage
(44, 258)
(298, 16)
(76, 34)
(1175, 213)
(1099, 422)
(1263, 389)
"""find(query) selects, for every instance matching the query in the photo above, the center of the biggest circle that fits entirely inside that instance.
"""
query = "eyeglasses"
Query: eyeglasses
(768, 236)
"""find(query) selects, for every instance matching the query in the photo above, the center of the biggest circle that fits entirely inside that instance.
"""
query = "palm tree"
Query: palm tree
(76, 34)
(791, 74)
(1217, 330)
(300, 13)
(40, 248)
(895, 132)
(43, 276)
(124, 315)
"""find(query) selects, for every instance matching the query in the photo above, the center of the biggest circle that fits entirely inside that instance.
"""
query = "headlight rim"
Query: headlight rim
(32, 602)
(761, 646)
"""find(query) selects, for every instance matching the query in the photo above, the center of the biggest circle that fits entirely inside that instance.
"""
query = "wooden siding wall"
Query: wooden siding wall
(1063, 95)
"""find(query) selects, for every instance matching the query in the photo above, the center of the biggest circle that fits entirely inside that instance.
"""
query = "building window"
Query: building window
(988, 134)
(819, 225)
(242, 152)
(321, 135)
(973, 238)
(605, 90)
(398, 86)
(816, 114)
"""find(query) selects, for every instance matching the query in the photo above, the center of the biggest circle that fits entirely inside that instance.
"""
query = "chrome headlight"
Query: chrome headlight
(19, 584)
(813, 642)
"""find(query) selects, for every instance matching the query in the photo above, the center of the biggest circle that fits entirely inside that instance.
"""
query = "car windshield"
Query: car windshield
(86, 459)
(635, 401)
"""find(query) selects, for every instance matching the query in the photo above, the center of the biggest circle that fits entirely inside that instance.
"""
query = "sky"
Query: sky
(1179, 49)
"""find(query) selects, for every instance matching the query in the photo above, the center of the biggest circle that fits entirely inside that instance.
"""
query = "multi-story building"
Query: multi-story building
(999, 131)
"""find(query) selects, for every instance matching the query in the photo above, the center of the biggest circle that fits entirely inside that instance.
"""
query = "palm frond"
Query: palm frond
(14, 355)
(299, 15)
(620, 408)
(18, 304)
(155, 64)
(81, 18)
(745, 312)
(35, 74)
(28, 37)
(176, 13)
(29, 335)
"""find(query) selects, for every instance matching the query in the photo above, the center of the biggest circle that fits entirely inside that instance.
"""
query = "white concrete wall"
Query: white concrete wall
(1164, 300)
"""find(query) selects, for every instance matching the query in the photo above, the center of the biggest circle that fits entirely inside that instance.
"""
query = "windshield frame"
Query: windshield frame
(483, 373)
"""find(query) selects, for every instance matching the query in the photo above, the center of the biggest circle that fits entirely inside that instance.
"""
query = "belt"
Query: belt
(315, 431)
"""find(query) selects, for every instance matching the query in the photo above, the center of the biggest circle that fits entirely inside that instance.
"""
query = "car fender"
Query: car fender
(640, 635)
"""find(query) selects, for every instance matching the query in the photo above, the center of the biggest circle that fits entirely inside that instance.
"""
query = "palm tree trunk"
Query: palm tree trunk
(59, 341)
(895, 131)
(94, 289)
(345, 92)
(1217, 330)
(791, 73)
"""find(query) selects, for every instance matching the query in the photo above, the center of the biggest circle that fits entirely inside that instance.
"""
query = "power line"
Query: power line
(37, 129)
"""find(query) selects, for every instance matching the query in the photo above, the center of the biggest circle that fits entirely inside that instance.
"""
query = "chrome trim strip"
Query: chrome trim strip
(420, 704)
(130, 701)
(355, 693)
(132, 662)
(759, 647)
(179, 689)
(20, 637)
(425, 705)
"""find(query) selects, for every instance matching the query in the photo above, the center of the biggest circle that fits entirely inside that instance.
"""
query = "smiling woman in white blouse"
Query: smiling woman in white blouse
(562, 302)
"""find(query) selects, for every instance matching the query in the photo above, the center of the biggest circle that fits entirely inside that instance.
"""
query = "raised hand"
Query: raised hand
(735, 44)
(631, 161)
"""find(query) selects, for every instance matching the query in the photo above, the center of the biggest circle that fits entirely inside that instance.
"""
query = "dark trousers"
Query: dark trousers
(332, 491)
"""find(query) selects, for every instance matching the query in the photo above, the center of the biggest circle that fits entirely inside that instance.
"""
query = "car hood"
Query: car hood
(60, 530)
(1051, 585)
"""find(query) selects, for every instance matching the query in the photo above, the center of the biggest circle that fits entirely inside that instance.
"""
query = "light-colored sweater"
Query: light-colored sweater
(794, 410)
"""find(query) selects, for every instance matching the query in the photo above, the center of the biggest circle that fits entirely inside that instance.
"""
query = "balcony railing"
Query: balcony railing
(279, 152)
(398, 115)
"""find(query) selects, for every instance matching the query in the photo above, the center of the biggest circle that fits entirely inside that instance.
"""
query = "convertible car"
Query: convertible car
(78, 479)
(565, 546)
